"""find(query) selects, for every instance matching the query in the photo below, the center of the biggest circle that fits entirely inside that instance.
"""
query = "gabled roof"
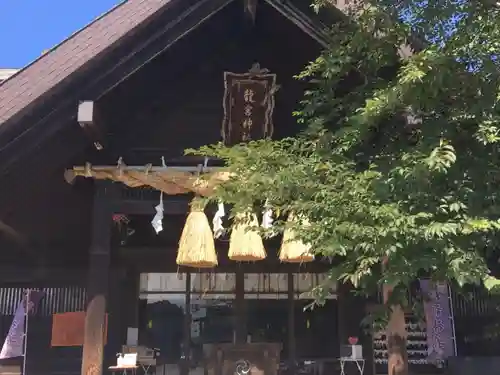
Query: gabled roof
(39, 91)
(30, 83)
(24, 90)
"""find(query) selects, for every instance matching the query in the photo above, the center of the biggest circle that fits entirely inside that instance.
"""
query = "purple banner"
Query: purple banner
(13, 345)
(438, 319)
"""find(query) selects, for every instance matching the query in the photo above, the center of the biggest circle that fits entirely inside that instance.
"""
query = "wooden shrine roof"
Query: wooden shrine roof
(94, 60)
(55, 66)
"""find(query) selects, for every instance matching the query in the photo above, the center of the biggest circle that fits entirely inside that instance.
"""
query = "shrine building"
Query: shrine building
(95, 190)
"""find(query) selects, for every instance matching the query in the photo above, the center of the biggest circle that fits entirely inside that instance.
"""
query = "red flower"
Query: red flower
(120, 218)
(352, 340)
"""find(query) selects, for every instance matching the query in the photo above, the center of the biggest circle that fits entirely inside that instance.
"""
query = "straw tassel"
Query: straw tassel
(196, 246)
(292, 250)
(245, 243)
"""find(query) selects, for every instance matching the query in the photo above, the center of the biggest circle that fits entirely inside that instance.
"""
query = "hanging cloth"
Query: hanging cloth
(267, 216)
(157, 221)
(217, 226)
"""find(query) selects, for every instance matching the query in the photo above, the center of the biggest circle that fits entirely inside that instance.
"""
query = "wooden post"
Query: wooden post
(292, 356)
(342, 314)
(240, 320)
(97, 283)
(186, 342)
(131, 295)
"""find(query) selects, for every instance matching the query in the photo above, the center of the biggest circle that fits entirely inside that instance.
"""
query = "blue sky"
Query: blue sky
(28, 27)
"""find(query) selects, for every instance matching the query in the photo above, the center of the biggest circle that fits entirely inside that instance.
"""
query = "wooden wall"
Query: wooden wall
(182, 106)
(53, 220)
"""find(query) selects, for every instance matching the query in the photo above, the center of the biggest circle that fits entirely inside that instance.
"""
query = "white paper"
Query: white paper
(132, 336)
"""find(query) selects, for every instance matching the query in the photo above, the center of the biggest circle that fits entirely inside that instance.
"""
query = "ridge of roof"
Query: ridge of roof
(51, 68)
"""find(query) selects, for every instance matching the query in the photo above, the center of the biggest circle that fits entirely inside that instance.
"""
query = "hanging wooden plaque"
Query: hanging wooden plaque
(248, 105)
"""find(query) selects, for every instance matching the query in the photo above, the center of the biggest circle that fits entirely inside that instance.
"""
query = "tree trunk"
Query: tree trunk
(396, 338)
(396, 343)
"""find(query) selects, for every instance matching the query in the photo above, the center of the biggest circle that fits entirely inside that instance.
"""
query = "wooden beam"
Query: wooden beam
(302, 21)
(171, 206)
(26, 275)
(98, 279)
(162, 259)
(174, 206)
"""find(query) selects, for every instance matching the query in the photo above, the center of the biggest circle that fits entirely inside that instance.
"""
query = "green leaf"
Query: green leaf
(396, 159)
(492, 284)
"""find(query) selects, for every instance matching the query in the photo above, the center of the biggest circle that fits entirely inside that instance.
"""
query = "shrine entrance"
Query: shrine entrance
(184, 314)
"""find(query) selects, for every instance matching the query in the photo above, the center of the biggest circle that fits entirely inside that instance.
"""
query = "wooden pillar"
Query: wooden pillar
(97, 284)
(240, 320)
(131, 294)
(343, 313)
(292, 353)
(186, 342)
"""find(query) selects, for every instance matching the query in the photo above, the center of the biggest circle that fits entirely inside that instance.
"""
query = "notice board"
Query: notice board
(68, 329)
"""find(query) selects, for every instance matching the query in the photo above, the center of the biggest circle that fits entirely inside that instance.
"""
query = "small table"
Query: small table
(360, 364)
(124, 369)
(146, 366)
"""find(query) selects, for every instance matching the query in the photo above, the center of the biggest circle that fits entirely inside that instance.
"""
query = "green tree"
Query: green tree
(398, 175)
